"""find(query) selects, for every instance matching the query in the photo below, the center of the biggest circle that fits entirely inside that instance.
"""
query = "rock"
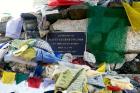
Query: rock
(70, 25)
(133, 42)
(130, 57)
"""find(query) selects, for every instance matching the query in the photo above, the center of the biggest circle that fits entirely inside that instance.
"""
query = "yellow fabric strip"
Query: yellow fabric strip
(8, 77)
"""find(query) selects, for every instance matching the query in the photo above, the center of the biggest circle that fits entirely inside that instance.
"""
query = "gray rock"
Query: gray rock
(133, 42)
(70, 25)
(130, 57)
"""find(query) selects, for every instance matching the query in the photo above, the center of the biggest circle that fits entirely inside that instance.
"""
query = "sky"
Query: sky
(16, 6)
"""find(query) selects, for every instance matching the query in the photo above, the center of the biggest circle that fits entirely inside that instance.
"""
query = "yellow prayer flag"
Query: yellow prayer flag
(133, 15)
(8, 77)
(102, 68)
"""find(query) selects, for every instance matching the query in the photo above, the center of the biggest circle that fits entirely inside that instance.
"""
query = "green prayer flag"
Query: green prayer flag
(106, 35)
(21, 77)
